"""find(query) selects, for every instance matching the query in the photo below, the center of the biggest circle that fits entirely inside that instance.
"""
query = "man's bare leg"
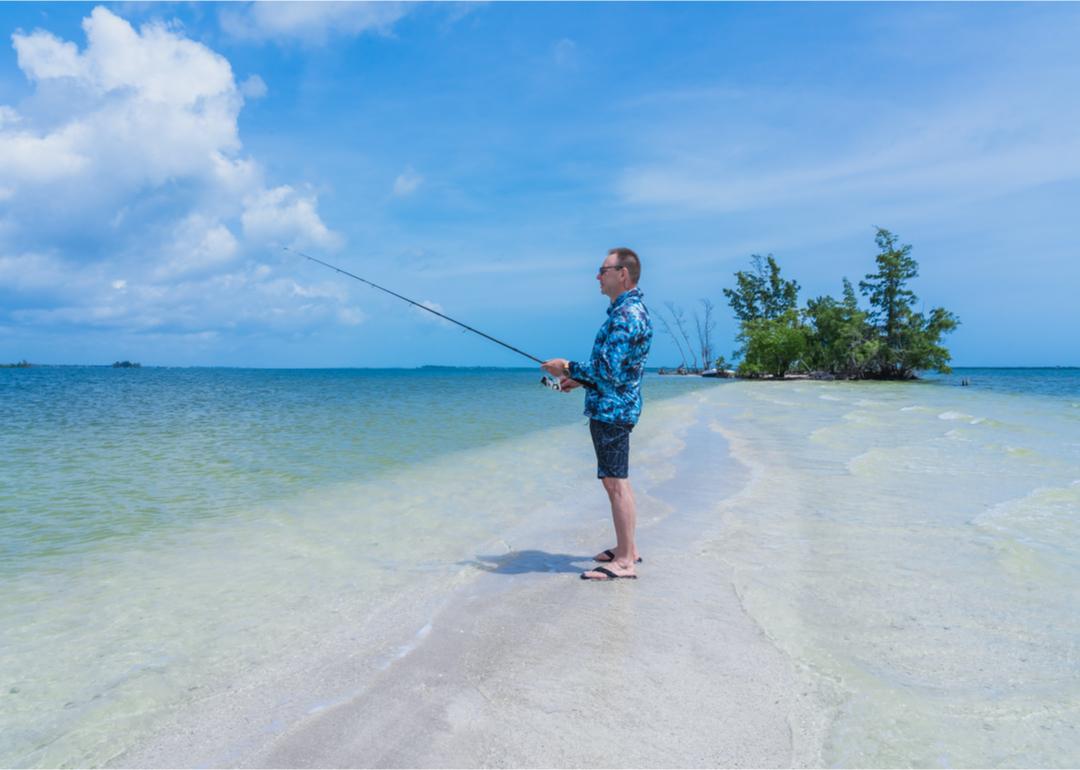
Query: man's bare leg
(624, 516)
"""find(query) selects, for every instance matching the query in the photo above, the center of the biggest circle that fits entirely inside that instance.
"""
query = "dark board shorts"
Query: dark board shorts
(612, 445)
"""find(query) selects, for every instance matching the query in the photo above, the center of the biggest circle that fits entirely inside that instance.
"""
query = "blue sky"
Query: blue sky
(482, 158)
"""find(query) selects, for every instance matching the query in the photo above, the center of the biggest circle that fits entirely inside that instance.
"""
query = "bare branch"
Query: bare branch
(680, 323)
(668, 330)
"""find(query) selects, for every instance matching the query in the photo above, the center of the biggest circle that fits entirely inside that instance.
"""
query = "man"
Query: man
(612, 376)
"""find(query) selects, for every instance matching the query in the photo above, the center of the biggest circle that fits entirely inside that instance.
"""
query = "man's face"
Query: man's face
(612, 278)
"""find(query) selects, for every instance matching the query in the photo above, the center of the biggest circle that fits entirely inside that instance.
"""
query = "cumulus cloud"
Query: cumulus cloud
(151, 106)
(309, 22)
(283, 216)
(126, 199)
(198, 244)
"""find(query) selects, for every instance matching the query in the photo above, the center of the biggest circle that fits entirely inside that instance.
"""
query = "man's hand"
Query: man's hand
(556, 367)
(566, 384)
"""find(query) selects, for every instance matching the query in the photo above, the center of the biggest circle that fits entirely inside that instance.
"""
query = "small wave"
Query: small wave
(969, 418)
(1044, 518)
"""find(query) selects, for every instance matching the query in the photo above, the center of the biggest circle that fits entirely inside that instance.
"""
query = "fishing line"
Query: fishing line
(547, 381)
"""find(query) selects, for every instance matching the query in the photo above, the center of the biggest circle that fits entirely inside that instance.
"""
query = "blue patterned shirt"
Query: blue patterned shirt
(617, 364)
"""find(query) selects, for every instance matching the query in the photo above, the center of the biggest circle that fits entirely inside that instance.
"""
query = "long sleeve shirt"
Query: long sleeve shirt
(617, 363)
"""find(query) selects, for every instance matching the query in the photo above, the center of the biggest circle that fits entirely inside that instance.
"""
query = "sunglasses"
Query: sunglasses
(603, 270)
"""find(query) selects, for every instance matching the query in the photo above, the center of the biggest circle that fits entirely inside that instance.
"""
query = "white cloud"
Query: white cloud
(254, 87)
(152, 106)
(310, 22)
(407, 183)
(432, 318)
(25, 157)
(245, 297)
(197, 244)
(143, 170)
(33, 271)
(8, 116)
(284, 217)
(938, 152)
(160, 65)
(42, 56)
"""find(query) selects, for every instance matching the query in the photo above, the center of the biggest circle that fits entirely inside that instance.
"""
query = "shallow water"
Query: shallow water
(169, 535)
(916, 547)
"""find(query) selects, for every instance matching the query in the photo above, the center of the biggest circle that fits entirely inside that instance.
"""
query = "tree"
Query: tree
(671, 333)
(680, 323)
(773, 345)
(769, 329)
(841, 340)
(704, 331)
(908, 341)
(762, 293)
(888, 341)
(887, 292)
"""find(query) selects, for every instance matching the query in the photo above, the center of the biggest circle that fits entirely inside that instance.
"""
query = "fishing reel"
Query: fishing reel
(551, 382)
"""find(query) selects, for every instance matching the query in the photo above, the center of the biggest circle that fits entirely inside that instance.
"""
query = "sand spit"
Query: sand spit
(528, 666)
(538, 674)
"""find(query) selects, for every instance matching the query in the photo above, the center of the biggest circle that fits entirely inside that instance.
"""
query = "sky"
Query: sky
(157, 158)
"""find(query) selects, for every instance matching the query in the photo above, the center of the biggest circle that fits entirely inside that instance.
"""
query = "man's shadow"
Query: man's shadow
(521, 562)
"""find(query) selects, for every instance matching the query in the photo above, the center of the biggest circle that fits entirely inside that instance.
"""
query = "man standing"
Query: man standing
(612, 376)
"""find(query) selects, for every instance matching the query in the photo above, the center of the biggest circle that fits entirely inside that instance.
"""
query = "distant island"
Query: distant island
(829, 338)
(126, 365)
(24, 364)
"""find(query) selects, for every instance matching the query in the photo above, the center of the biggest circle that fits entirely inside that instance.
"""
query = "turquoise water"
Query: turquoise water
(171, 535)
(98, 453)
(1060, 381)
(168, 534)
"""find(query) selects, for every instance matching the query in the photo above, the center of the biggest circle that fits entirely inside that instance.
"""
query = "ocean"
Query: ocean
(169, 537)
(167, 534)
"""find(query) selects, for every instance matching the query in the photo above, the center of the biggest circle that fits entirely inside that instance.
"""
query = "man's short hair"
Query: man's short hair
(627, 258)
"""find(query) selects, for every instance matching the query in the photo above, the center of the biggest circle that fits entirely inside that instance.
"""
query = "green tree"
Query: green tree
(773, 346)
(762, 293)
(907, 341)
(841, 341)
(886, 289)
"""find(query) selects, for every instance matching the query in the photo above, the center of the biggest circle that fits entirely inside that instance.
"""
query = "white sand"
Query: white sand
(529, 666)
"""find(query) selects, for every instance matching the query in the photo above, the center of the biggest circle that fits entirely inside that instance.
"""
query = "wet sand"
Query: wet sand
(526, 665)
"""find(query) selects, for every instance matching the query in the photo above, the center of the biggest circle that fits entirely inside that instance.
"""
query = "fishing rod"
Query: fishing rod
(547, 381)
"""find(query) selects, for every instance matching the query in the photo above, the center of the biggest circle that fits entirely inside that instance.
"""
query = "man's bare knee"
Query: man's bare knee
(615, 487)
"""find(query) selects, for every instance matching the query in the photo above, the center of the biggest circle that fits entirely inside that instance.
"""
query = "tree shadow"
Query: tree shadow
(521, 562)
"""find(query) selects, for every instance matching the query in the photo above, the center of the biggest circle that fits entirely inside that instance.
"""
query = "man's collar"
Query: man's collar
(634, 292)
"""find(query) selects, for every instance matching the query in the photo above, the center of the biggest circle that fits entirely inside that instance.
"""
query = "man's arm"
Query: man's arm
(608, 366)
(558, 367)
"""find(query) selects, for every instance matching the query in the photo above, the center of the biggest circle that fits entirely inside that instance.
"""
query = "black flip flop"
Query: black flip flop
(610, 575)
(611, 557)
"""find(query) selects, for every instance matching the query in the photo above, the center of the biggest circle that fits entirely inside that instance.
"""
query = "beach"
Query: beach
(841, 574)
(525, 665)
